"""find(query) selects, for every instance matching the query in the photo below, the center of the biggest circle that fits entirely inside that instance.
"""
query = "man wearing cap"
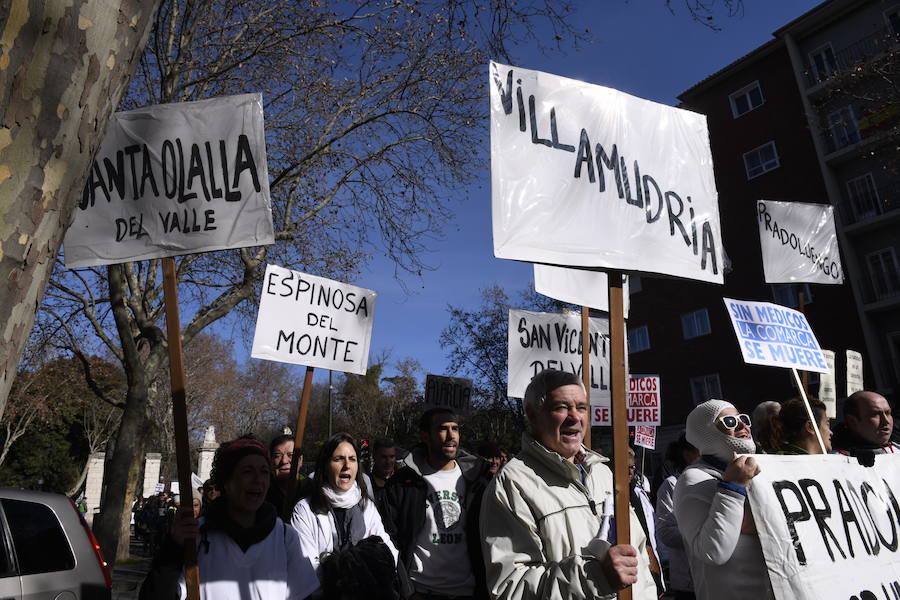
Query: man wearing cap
(543, 521)
(711, 506)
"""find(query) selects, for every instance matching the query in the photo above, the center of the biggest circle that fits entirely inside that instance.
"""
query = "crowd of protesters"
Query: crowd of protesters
(445, 524)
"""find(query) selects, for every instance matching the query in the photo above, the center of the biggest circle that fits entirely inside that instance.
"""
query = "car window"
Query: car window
(7, 568)
(39, 541)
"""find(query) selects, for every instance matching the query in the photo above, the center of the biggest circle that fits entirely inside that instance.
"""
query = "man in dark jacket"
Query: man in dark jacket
(867, 427)
(432, 505)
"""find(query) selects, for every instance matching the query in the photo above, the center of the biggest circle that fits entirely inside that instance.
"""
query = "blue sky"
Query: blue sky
(640, 48)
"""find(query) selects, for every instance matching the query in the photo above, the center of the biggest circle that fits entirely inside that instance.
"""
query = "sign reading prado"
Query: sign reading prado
(583, 175)
(798, 242)
(175, 179)
(313, 321)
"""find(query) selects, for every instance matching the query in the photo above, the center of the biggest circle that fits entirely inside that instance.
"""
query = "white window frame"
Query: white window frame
(745, 91)
(691, 318)
(875, 201)
(831, 69)
(704, 381)
(636, 335)
(839, 121)
(766, 166)
(886, 272)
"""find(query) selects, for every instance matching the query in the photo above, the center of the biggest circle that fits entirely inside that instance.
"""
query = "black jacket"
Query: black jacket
(404, 503)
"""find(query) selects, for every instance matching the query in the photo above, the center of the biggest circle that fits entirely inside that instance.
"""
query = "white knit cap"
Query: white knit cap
(706, 437)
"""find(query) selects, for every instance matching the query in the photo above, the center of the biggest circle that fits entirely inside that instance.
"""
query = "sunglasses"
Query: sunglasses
(731, 421)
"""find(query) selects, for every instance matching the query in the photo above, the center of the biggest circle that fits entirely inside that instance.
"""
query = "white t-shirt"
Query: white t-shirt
(441, 559)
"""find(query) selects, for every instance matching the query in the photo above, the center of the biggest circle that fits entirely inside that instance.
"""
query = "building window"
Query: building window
(823, 62)
(695, 324)
(761, 160)
(885, 273)
(863, 196)
(842, 128)
(746, 99)
(705, 387)
(892, 16)
(634, 284)
(788, 294)
(638, 339)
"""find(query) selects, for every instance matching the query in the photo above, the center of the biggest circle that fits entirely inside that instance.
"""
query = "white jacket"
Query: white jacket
(536, 524)
(273, 569)
(317, 531)
(723, 560)
(667, 532)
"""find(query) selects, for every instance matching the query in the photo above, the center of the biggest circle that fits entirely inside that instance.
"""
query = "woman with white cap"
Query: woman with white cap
(711, 506)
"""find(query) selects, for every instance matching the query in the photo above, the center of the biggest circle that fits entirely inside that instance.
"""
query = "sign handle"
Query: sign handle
(801, 305)
(586, 367)
(179, 417)
(619, 422)
(288, 507)
(812, 418)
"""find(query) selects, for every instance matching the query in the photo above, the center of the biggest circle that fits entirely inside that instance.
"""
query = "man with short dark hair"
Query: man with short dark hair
(545, 519)
(867, 427)
(384, 461)
(431, 510)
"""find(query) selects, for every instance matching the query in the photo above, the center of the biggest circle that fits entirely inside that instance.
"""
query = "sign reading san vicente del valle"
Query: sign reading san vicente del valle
(587, 176)
(175, 179)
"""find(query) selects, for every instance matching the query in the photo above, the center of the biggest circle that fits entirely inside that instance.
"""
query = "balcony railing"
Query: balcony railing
(869, 206)
(851, 56)
(872, 122)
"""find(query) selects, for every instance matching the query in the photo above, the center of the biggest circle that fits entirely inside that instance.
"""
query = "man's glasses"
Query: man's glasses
(731, 421)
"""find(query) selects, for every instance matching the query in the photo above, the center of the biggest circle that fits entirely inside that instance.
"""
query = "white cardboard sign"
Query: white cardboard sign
(645, 436)
(828, 386)
(584, 175)
(643, 403)
(577, 286)
(854, 372)
(175, 179)
(828, 526)
(313, 321)
(539, 341)
(799, 243)
(774, 335)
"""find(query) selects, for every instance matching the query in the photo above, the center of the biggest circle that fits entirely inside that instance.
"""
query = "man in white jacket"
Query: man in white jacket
(542, 519)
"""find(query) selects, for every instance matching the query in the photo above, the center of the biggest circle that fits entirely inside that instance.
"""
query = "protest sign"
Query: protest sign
(829, 526)
(770, 334)
(539, 341)
(450, 392)
(576, 286)
(645, 436)
(644, 403)
(854, 372)
(828, 386)
(583, 175)
(313, 321)
(799, 243)
(175, 179)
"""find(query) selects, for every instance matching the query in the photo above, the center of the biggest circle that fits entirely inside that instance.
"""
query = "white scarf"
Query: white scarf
(339, 499)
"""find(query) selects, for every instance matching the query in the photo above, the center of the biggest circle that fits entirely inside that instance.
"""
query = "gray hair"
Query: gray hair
(545, 382)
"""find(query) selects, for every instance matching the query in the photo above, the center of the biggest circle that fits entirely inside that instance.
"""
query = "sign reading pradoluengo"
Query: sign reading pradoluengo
(539, 341)
(828, 526)
(175, 179)
(583, 175)
(799, 243)
(313, 321)
(774, 335)
(643, 403)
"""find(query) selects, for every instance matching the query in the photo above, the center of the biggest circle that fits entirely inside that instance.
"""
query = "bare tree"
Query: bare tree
(63, 69)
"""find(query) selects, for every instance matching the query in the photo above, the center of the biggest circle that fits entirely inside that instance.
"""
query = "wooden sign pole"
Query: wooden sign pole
(179, 416)
(809, 412)
(288, 507)
(621, 480)
(586, 367)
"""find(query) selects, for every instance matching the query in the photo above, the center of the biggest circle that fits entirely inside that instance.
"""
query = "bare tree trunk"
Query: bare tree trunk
(61, 78)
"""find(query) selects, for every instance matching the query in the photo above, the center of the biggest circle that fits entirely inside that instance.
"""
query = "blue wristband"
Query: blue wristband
(734, 487)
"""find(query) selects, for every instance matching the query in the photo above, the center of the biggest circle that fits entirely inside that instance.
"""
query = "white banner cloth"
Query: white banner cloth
(799, 243)
(583, 175)
(313, 321)
(828, 526)
(577, 286)
(175, 179)
(539, 341)
(771, 334)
